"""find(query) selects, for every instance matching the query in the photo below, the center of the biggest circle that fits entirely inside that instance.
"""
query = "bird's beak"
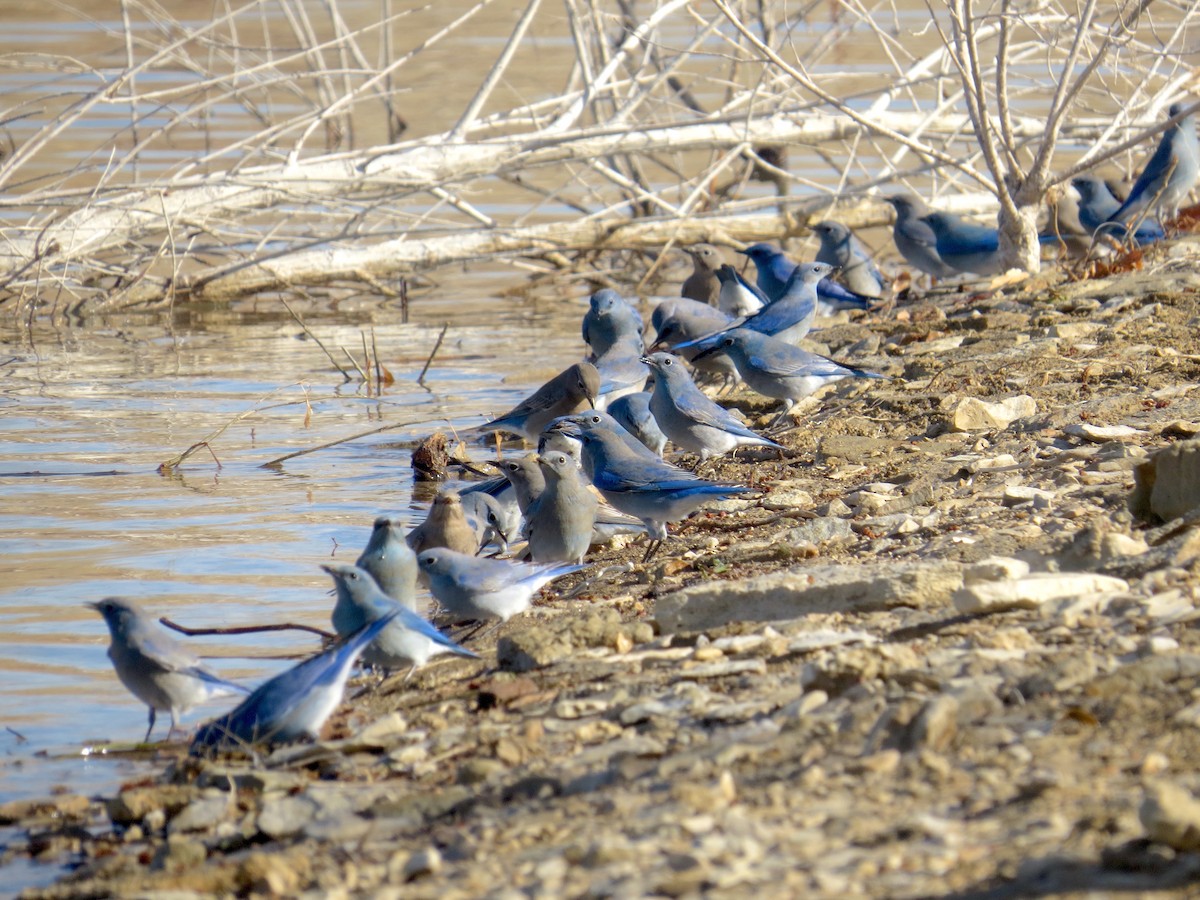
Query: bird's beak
(327, 569)
(711, 351)
(645, 360)
(92, 605)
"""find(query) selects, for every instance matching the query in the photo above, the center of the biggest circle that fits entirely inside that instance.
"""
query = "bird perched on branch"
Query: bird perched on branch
(295, 703)
(154, 666)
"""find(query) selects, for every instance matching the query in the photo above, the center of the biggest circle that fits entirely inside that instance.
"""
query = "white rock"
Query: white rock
(1099, 434)
(1017, 494)
(973, 414)
(1171, 816)
(995, 568)
(1033, 591)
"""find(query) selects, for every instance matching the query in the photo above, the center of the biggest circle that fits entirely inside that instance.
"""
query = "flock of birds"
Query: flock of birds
(599, 470)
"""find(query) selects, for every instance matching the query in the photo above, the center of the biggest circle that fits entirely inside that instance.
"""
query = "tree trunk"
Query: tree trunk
(1019, 247)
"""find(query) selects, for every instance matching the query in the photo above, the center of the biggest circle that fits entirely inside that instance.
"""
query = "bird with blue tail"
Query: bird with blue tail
(916, 239)
(787, 319)
(680, 320)
(1097, 206)
(571, 390)
(409, 641)
(969, 248)
(774, 269)
(841, 248)
(641, 484)
(690, 419)
(781, 371)
(621, 372)
(154, 666)
(483, 590)
(390, 561)
(294, 704)
(1169, 175)
(610, 319)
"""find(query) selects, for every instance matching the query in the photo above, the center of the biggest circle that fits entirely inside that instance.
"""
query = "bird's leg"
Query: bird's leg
(146, 739)
(651, 549)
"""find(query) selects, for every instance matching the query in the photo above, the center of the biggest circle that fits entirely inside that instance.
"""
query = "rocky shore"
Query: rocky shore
(950, 651)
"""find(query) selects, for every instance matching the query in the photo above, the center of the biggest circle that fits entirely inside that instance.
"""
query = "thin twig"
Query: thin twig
(432, 354)
(246, 629)
(325, 350)
(275, 463)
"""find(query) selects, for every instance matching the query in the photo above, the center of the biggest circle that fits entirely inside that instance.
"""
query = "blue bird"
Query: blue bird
(841, 248)
(964, 246)
(295, 703)
(621, 372)
(1097, 206)
(691, 419)
(738, 297)
(787, 319)
(563, 438)
(677, 321)
(633, 412)
(409, 640)
(472, 587)
(641, 484)
(914, 238)
(775, 369)
(154, 666)
(611, 319)
(391, 561)
(1169, 175)
(774, 270)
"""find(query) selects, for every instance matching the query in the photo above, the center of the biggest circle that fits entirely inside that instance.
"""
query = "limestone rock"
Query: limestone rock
(1032, 591)
(973, 414)
(1168, 485)
(1171, 816)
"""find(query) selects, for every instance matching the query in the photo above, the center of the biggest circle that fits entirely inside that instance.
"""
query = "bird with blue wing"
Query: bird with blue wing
(915, 239)
(781, 371)
(408, 640)
(841, 248)
(470, 587)
(689, 418)
(638, 482)
(154, 666)
(1170, 173)
(610, 319)
(1097, 206)
(294, 704)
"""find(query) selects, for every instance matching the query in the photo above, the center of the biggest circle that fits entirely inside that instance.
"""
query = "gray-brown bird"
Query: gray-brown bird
(446, 525)
(702, 285)
(570, 391)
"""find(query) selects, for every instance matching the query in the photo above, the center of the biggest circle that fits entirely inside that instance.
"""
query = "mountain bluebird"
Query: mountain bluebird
(689, 418)
(295, 703)
(1097, 206)
(563, 517)
(525, 476)
(788, 318)
(965, 246)
(572, 390)
(681, 320)
(774, 269)
(702, 285)
(1169, 175)
(493, 520)
(841, 248)
(446, 525)
(391, 561)
(408, 641)
(633, 412)
(473, 588)
(738, 297)
(641, 484)
(621, 371)
(916, 239)
(779, 370)
(610, 319)
(154, 666)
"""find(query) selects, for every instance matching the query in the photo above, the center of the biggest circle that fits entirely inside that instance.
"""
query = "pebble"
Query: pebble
(973, 414)
(1099, 434)
(1033, 591)
(1167, 486)
(1170, 816)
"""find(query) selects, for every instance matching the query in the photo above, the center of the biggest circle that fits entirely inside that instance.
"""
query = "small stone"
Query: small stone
(1171, 816)
(422, 863)
(476, 771)
(382, 734)
(1154, 763)
(285, 816)
(531, 649)
(1100, 434)
(708, 654)
(1032, 591)
(1020, 494)
(1072, 331)
(973, 414)
(200, 815)
(995, 568)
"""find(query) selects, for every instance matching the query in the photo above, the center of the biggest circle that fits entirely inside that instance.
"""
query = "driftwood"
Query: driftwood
(652, 140)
